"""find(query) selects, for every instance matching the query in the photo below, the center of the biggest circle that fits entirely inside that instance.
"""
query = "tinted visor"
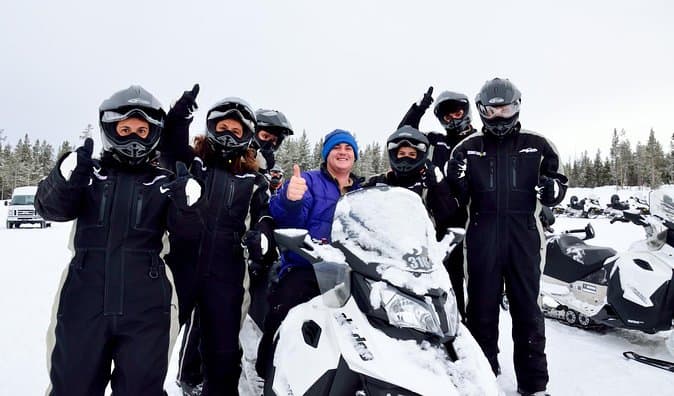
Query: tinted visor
(505, 111)
(404, 142)
(113, 116)
(217, 115)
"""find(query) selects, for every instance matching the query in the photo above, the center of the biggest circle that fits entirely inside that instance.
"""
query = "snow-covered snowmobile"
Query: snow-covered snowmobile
(639, 204)
(386, 321)
(586, 207)
(588, 285)
(616, 207)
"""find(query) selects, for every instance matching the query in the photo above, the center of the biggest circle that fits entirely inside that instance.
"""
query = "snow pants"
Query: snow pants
(221, 302)
(87, 341)
(454, 265)
(507, 250)
(190, 368)
(296, 286)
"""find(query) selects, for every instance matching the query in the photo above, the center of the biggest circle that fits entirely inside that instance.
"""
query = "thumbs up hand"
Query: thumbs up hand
(297, 185)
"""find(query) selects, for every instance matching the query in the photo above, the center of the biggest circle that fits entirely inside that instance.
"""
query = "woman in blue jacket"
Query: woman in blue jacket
(307, 201)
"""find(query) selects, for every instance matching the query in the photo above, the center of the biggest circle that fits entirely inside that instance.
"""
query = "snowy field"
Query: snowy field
(580, 362)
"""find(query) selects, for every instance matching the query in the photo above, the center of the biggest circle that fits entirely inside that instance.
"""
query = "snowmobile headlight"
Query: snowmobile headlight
(334, 282)
(406, 311)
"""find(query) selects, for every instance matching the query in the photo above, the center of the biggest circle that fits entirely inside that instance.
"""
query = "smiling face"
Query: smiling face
(340, 159)
(408, 152)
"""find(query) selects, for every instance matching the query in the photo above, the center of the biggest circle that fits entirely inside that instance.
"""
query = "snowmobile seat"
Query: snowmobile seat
(569, 259)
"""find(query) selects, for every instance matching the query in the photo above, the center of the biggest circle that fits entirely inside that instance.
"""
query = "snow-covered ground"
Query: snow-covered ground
(580, 362)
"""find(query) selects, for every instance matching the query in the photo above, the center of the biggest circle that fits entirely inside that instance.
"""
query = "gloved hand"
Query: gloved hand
(257, 245)
(431, 175)
(456, 168)
(456, 173)
(546, 189)
(426, 100)
(186, 104)
(183, 190)
(76, 167)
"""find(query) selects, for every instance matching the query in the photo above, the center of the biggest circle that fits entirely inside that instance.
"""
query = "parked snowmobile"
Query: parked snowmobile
(639, 204)
(588, 285)
(386, 321)
(616, 207)
(586, 207)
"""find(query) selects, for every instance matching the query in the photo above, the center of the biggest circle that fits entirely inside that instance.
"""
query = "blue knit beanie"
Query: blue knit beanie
(336, 137)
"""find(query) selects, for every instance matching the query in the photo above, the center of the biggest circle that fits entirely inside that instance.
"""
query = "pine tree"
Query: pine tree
(65, 147)
(86, 132)
(656, 164)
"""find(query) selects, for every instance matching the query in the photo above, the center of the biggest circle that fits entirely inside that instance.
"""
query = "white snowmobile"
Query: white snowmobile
(616, 207)
(588, 285)
(639, 204)
(386, 322)
(587, 207)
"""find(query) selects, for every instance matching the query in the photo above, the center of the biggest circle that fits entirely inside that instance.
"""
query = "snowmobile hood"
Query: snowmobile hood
(390, 226)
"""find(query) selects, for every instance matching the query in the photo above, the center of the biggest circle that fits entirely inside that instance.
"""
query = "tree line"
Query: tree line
(28, 161)
(626, 165)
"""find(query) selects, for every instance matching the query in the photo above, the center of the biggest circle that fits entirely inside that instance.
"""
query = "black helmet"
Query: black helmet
(450, 102)
(132, 102)
(498, 103)
(225, 143)
(407, 136)
(274, 122)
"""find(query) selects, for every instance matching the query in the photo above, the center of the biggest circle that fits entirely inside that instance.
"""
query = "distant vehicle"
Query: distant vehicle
(21, 209)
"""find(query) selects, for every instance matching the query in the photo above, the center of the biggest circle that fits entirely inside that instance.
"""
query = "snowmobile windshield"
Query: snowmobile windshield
(389, 226)
(23, 200)
(662, 204)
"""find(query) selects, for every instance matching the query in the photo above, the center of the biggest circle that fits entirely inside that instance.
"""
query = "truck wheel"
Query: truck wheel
(42, 225)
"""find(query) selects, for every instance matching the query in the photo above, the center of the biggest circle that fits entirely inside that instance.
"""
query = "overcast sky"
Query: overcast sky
(583, 67)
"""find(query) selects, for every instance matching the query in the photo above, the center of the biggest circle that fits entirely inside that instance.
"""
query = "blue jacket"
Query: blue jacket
(313, 212)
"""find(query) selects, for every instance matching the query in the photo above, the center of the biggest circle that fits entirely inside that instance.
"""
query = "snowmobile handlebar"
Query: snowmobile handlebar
(588, 231)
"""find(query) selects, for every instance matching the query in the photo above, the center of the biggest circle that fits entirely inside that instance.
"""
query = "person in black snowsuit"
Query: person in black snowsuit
(236, 193)
(272, 129)
(116, 302)
(452, 110)
(410, 168)
(504, 174)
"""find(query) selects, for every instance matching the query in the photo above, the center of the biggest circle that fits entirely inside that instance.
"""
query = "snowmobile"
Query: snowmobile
(639, 204)
(616, 207)
(386, 321)
(586, 207)
(591, 286)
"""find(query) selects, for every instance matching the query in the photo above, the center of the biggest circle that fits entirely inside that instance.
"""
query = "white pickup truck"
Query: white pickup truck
(21, 209)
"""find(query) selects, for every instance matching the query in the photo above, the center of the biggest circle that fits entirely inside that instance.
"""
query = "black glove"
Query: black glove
(546, 189)
(431, 175)
(177, 189)
(185, 106)
(426, 100)
(252, 240)
(82, 172)
(456, 168)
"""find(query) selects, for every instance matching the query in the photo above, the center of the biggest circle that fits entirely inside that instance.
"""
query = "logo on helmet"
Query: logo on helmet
(496, 100)
(138, 100)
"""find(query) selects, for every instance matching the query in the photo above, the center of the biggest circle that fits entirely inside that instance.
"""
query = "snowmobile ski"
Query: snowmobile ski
(661, 364)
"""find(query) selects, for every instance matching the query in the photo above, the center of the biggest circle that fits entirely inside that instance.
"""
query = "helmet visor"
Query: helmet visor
(505, 111)
(113, 116)
(217, 115)
(404, 142)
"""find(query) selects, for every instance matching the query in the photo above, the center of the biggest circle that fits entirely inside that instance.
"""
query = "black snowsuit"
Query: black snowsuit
(116, 300)
(441, 145)
(222, 273)
(505, 243)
